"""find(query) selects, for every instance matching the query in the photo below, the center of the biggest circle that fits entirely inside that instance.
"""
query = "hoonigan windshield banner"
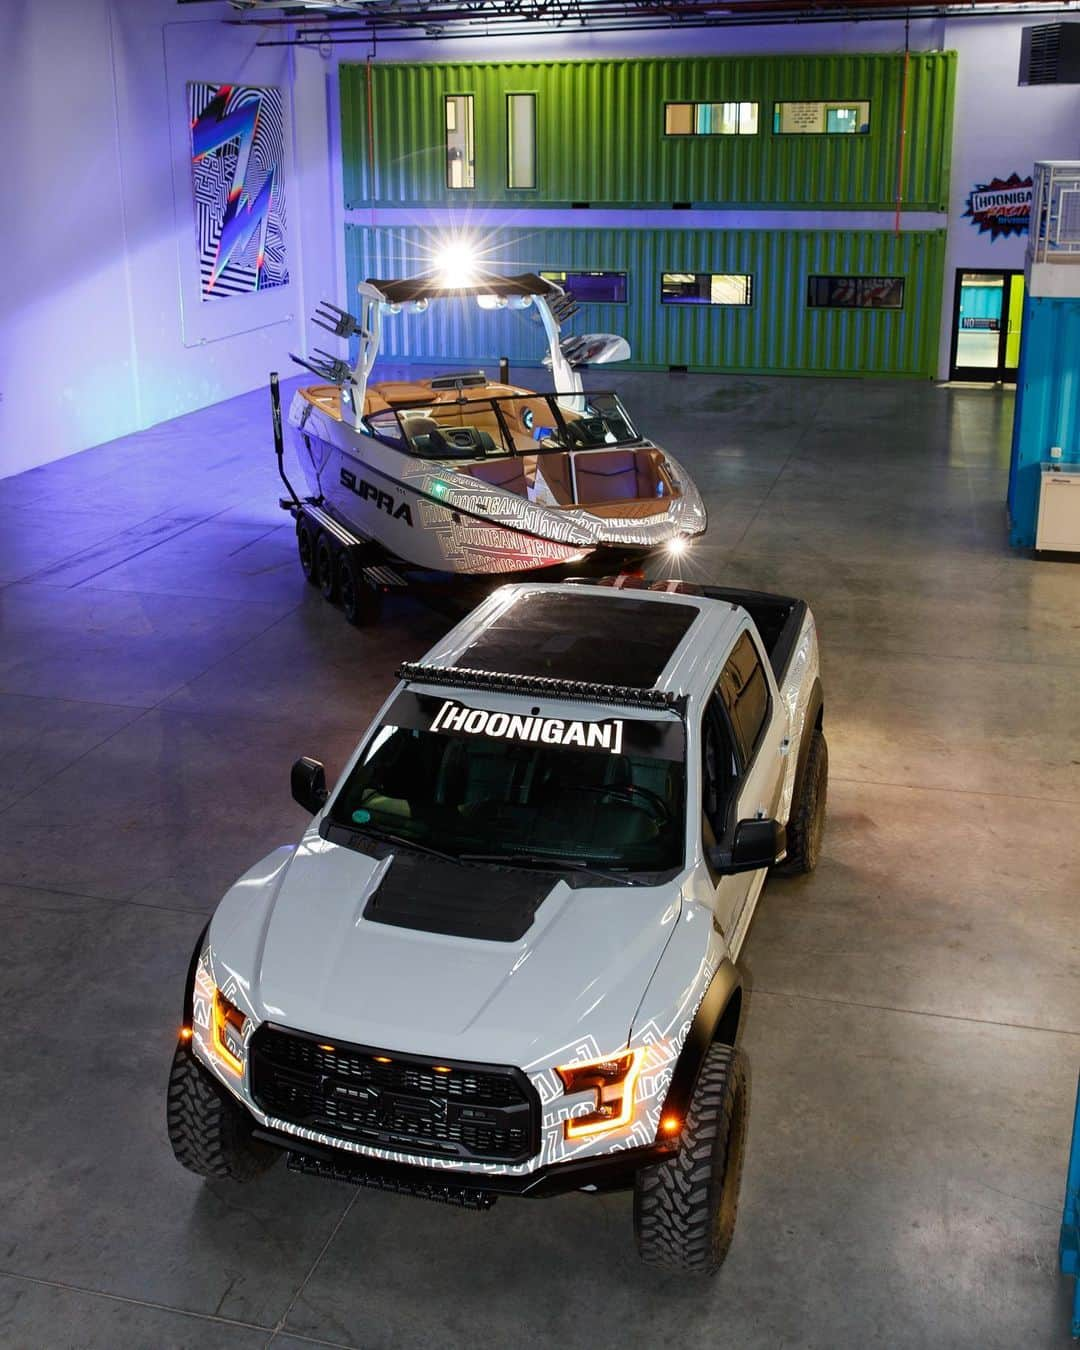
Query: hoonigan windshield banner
(658, 739)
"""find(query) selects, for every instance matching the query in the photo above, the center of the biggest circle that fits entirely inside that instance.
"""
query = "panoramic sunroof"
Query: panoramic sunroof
(571, 636)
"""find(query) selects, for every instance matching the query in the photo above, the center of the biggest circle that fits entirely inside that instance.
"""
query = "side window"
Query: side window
(718, 769)
(745, 692)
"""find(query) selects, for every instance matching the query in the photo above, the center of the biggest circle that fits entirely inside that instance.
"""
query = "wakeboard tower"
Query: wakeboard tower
(462, 475)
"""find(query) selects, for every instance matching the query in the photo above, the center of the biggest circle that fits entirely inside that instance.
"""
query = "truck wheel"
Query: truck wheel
(807, 824)
(305, 547)
(361, 603)
(325, 571)
(210, 1134)
(685, 1208)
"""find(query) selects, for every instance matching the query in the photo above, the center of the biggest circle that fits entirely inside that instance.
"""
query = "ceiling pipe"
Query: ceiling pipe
(410, 25)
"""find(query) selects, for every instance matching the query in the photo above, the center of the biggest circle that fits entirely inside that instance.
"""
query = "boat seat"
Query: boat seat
(614, 475)
(403, 391)
(507, 474)
(554, 468)
(462, 415)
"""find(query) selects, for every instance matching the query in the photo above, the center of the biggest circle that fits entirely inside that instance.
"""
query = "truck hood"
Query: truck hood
(315, 963)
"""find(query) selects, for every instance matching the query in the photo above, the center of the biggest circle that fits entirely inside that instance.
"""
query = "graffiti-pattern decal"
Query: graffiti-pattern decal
(663, 1040)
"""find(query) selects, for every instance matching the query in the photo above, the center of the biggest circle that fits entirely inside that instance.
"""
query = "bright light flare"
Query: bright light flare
(678, 547)
(456, 265)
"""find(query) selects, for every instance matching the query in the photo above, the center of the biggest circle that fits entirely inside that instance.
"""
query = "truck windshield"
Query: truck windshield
(545, 794)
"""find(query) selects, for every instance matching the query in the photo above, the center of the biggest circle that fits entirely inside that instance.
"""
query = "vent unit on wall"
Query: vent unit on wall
(1050, 54)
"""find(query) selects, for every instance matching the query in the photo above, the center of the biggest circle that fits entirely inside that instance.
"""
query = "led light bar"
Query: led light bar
(462, 677)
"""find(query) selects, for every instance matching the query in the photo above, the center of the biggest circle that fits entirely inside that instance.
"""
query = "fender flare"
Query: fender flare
(189, 987)
(726, 984)
(813, 711)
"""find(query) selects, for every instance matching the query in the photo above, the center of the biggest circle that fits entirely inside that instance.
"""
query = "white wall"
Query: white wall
(1000, 128)
(98, 231)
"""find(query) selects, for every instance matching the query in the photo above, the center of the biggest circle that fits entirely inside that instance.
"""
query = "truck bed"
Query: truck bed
(778, 619)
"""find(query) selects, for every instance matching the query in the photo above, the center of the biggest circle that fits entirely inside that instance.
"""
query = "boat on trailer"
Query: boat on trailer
(462, 475)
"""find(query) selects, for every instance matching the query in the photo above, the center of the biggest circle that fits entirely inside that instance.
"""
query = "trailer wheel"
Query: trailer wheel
(305, 547)
(807, 824)
(685, 1208)
(362, 603)
(210, 1134)
(325, 571)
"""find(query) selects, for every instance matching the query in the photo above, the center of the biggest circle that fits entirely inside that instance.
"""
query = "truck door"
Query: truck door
(743, 748)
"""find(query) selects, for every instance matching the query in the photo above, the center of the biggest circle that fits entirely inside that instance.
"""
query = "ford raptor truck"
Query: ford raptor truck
(501, 961)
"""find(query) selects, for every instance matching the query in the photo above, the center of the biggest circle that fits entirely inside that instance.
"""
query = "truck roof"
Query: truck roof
(638, 646)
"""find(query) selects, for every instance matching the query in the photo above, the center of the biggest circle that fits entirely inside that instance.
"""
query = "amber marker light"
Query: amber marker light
(670, 1125)
(613, 1081)
(185, 1033)
(441, 1068)
(328, 1048)
(383, 1059)
(228, 1029)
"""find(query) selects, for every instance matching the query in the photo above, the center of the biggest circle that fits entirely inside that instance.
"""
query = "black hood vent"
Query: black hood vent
(494, 903)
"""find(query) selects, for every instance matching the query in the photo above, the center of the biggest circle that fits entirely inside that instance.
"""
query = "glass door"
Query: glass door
(987, 315)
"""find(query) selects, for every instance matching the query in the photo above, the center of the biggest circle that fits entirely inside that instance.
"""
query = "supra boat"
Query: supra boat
(464, 475)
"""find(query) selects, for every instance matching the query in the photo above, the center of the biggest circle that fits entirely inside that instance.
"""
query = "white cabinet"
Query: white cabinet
(1058, 529)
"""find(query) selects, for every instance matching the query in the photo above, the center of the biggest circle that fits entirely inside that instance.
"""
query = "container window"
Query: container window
(460, 146)
(848, 117)
(706, 288)
(521, 140)
(592, 288)
(710, 119)
(855, 292)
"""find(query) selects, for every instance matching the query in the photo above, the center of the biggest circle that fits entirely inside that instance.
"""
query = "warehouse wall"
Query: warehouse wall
(95, 340)
(1001, 128)
(777, 332)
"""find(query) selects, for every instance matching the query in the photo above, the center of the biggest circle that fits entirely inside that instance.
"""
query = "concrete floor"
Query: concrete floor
(914, 1024)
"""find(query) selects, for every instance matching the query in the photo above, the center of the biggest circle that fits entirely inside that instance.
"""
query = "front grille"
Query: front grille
(478, 1113)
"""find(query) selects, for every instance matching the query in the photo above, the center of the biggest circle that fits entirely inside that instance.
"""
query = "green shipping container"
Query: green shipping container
(777, 333)
(600, 132)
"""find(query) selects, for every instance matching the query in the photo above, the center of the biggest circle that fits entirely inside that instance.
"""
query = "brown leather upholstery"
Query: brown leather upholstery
(508, 474)
(554, 466)
(615, 475)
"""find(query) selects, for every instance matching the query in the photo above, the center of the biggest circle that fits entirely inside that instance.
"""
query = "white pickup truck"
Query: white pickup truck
(501, 959)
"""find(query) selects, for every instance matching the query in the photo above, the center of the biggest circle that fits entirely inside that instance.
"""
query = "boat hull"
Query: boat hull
(429, 516)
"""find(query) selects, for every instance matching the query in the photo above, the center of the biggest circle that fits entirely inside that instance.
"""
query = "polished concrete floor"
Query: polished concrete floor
(914, 1024)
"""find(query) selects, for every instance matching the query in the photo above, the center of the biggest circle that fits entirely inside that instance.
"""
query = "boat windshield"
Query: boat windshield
(554, 792)
(456, 424)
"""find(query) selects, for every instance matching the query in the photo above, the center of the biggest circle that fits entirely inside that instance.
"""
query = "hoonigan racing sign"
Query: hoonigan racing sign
(1001, 207)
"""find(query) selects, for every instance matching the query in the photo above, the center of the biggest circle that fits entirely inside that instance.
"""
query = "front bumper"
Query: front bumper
(478, 1190)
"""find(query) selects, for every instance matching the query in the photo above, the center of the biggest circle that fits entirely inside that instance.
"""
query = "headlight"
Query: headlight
(227, 1032)
(613, 1081)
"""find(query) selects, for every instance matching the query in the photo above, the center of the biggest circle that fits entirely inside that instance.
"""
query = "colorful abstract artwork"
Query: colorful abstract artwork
(237, 175)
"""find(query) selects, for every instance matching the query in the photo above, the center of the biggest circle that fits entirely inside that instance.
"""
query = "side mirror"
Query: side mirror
(755, 844)
(308, 781)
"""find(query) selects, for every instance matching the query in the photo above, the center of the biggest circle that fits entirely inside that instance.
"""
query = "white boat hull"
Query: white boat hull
(433, 517)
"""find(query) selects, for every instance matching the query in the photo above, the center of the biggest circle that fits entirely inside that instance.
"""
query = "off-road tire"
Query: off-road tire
(325, 567)
(807, 824)
(685, 1207)
(360, 603)
(305, 548)
(210, 1134)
